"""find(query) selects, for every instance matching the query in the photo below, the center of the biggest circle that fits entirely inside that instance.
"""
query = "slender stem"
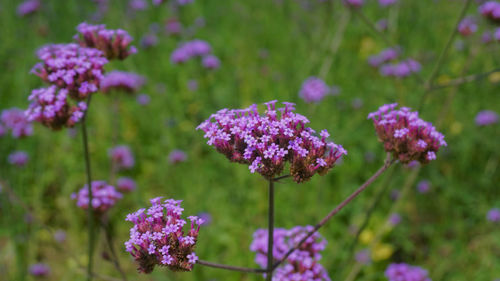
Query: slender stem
(109, 239)
(280, 178)
(89, 186)
(270, 233)
(335, 44)
(363, 18)
(464, 80)
(230, 267)
(443, 53)
(387, 164)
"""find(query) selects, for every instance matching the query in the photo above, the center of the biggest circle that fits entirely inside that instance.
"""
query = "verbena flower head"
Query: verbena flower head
(401, 69)
(158, 239)
(122, 157)
(60, 235)
(39, 269)
(491, 11)
(128, 82)
(143, 99)
(302, 264)
(184, 2)
(314, 90)
(405, 272)
(467, 26)
(138, 5)
(15, 121)
(384, 56)
(149, 40)
(52, 107)
(486, 117)
(493, 215)
(18, 158)
(267, 142)
(189, 50)
(423, 186)
(177, 156)
(104, 196)
(210, 62)
(173, 26)
(28, 7)
(405, 135)
(354, 3)
(394, 219)
(125, 185)
(385, 3)
(115, 44)
(363, 257)
(77, 69)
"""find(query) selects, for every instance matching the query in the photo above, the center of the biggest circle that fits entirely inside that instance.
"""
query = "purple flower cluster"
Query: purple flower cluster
(115, 44)
(143, 99)
(266, 142)
(467, 27)
(178, 2)
(28, 7)
(50, 106)
(314, 90)
(302, 264)
(423, 186)
(354, 3)
(157, 237)
(71, 67)
(193, 49)
(13, 119)
(405, 272)
(128, 82)
(405, 135)
(125, 185)
(104, 196)
(385, 3)
(177, 156)
(493, 215)
(491, 11)
(39, 269)
(400, 69)
(122, 157)
(18, 158)
(384, 56)
(173, 26)
(486, 117)
(394, 219)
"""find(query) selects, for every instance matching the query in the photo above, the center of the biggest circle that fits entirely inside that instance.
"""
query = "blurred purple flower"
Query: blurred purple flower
(122, 157)
(138, 5)
(363, 257)
(60, 236)
(173, 26)
(314, 90)
(382, 25)
(143, 99)
(385, 3)
(467, 26)
(28, 7)
(394, 219)
(423, 186)
(15, 120)
(149, 40)
(354, 3)
(405, 272)
(104, 196)
(18, 158)
(206, 217)
(211, 62)
(177, 156)
(493, 215)
(122, 81)
(486, 117)
(39, 269)
(125, 184)
(384, 56)
(192, 85)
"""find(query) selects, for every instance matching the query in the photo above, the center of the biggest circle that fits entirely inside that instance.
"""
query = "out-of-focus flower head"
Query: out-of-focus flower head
(143, 99)
(13, 119)
(363, 257)
(122, 157)
(491, 11)
(189, 50)
(128, 82)
(405, 135)
(384, 56)
(115, 44)
(493, 215)
(405, 272)
(158, 239)
(149, 40)
(302, 264)
(177, 156)
(424, 186)
(401, 69)
(382, 25)
(51, 107)
(173, 26)
(104, 196)
(210, 62)
(77, 69)
(18, 158)
(138, 5)
(354, 3)
(467, 26)
(394, 219)
(39, 270)
(60, 235)
(314, 90)
(385, 3)
(125, 185)
(28, 7)
(486, 117)
(267, 142)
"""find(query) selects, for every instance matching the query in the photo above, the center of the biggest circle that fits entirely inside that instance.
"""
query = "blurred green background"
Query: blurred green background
(267, 49)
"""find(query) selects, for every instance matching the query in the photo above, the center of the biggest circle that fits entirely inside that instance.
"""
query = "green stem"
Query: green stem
(270, 234)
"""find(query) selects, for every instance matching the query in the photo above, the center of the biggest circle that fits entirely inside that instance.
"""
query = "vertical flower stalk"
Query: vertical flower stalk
(270, 234)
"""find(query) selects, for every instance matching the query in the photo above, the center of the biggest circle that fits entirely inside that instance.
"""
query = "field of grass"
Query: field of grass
(267, 49)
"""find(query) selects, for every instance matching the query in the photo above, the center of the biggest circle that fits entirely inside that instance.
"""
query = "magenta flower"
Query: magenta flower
(128, 82)
(405, 272)
(13, 119)
(39, 270)
(491, 11)
(314, 90)
(104, 196)
(487, 37)
(401, 69)
(267, 142)
(138, 5)
(77, 69)
(125, 185)
(115, 44)
(211, 62)
(354, 3)
(173, 26)
(28, 7)
(493, 215)
(486, 117)
(385, 3)
(424, 186)
(394, 219)
(467, 27)
(143, 99)
(189, 50)
(122, 157)
(405, 135)
(158, 239)
(177, 156)
(302, 264)
(18, 158)
(184, 2)
(384, 56)
(51, 107)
